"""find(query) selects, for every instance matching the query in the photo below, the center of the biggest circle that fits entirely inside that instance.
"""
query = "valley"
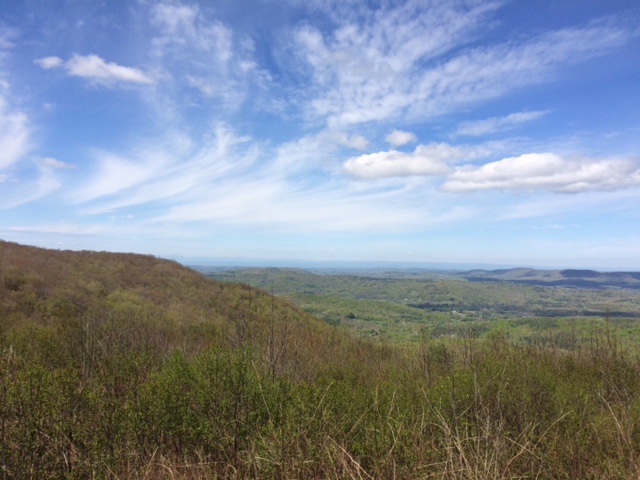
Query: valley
(399, 305)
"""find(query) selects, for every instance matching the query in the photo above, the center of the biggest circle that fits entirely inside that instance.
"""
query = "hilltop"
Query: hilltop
(118, 366)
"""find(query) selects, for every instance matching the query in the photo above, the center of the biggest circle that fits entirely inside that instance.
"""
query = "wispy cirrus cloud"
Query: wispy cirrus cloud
(370, 72)
(55, 163)
(14, 124)
(498, 124)
(153, 173)
(546, 172)
(204, 54)
(281, 205)
(97, 70)
(40, 185)
(14, 133)
(363, 69)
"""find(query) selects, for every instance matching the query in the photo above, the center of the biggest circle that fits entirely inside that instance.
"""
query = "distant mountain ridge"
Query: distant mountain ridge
(561, 278)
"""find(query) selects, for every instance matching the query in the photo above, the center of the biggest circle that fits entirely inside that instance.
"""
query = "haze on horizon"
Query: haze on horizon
(446, 131)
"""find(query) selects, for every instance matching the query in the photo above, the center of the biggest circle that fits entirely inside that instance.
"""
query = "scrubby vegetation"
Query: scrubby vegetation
(126, 366)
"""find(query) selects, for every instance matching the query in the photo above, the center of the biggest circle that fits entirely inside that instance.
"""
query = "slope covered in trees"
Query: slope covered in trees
(152, 303)
(127, 366)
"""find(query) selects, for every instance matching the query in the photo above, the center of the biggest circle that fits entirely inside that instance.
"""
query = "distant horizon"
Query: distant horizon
(248, 262)
(363, 264)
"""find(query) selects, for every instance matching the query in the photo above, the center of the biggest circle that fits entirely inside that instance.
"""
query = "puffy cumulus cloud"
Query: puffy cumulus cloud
(545, 171)
(498, 124)
(394, 164)
(398, 138)
(96, 69)
(425, 160)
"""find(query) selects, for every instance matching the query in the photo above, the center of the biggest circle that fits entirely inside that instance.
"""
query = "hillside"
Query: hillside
(150, 303)
(119, 366)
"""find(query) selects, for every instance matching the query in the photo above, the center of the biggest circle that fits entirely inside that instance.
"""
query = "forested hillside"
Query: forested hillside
(126, 366)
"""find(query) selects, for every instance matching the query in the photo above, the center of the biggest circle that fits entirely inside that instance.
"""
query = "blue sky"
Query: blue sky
(503, 132)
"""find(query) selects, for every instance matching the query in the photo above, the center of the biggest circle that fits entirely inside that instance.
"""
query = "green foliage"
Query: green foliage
(151, 371)
(397, 309)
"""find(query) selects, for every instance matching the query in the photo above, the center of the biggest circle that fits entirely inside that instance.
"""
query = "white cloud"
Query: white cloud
(14, 124)
(58, 164)
(394, 164)
(68, 229)
(156, 172)
(202, 84)
(26, 191)
(426, 160)
(206, 55)
(387, 67)
(362, 70)
(14, 134)
(185, 27)
(279, 205)
(313, 152)
(175, 19)
(94, 68)
(398, 138)
(116, 175)
(498, 124)
(357, 142)
(49, 62)
(545, 171)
